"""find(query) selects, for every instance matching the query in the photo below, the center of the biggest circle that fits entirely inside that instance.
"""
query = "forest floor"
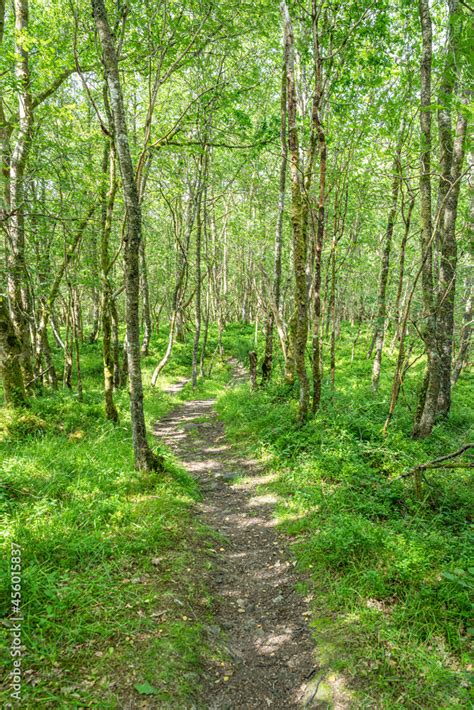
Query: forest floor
(264, 651)
(262, 536)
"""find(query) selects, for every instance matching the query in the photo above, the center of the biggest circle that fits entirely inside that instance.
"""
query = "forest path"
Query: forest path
(260, 621)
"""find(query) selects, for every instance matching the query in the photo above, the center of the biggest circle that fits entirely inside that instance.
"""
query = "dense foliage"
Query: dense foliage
(287, 185)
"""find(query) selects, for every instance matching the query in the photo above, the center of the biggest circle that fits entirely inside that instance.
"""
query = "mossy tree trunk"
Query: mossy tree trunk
(10, 357)
(18, 286)
(297, 221)
(144, 457)
(318, 251)
(448, 264)
(427, 405)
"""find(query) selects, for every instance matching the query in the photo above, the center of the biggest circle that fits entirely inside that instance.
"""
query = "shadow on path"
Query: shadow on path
(261, 623)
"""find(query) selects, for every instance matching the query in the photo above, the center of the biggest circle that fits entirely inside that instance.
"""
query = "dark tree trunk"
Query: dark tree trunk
(318, 254)
(253, 369)
(18, 287)
(268, 356)
(68, 345)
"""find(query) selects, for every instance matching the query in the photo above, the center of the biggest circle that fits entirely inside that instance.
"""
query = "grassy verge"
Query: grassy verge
(114, 610)
(391, 576)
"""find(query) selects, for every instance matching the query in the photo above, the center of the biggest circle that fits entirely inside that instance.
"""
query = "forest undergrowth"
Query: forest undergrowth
(114, 600)
(391, 576)
(114, 609)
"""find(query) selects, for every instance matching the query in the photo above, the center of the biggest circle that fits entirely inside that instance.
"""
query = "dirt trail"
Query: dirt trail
(261, 622)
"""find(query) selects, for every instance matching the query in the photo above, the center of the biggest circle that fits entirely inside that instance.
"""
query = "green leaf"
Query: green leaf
(451, 577)
(145, 688)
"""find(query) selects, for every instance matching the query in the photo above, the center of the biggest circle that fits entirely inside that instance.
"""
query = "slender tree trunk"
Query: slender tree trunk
(466, 330)
(177, 308)
(124, 365)
(427, 406)
(197, 313)
(47, 303)
(76, 340)
(108, 198)
(202, 356)
(209, 283)
(147, 328)
(118, 381)
(382, 297)
(401, 270)
(56, 333)
(18, 288)
(253, 369)
(297, 220)
(317, 363)
(68, 343)
(448, 264)
(96, 295)
(144, 457)
(440, 322)
(268, 357)
(93, 335)
(332, 311)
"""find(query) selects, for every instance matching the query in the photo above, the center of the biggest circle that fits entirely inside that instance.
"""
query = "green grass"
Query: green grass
(391, 577)
(114, 561)
(110, 588)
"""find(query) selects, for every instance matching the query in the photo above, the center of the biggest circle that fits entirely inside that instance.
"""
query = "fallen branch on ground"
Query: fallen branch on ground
(417, 471)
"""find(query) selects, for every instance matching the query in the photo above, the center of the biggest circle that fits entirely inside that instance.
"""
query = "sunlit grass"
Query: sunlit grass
(100, 616)
(392, 577)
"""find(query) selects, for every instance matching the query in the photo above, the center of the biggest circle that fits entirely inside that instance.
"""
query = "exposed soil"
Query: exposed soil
(261, 622)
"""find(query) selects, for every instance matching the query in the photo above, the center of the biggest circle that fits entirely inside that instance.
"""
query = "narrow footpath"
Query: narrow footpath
(261, 621)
